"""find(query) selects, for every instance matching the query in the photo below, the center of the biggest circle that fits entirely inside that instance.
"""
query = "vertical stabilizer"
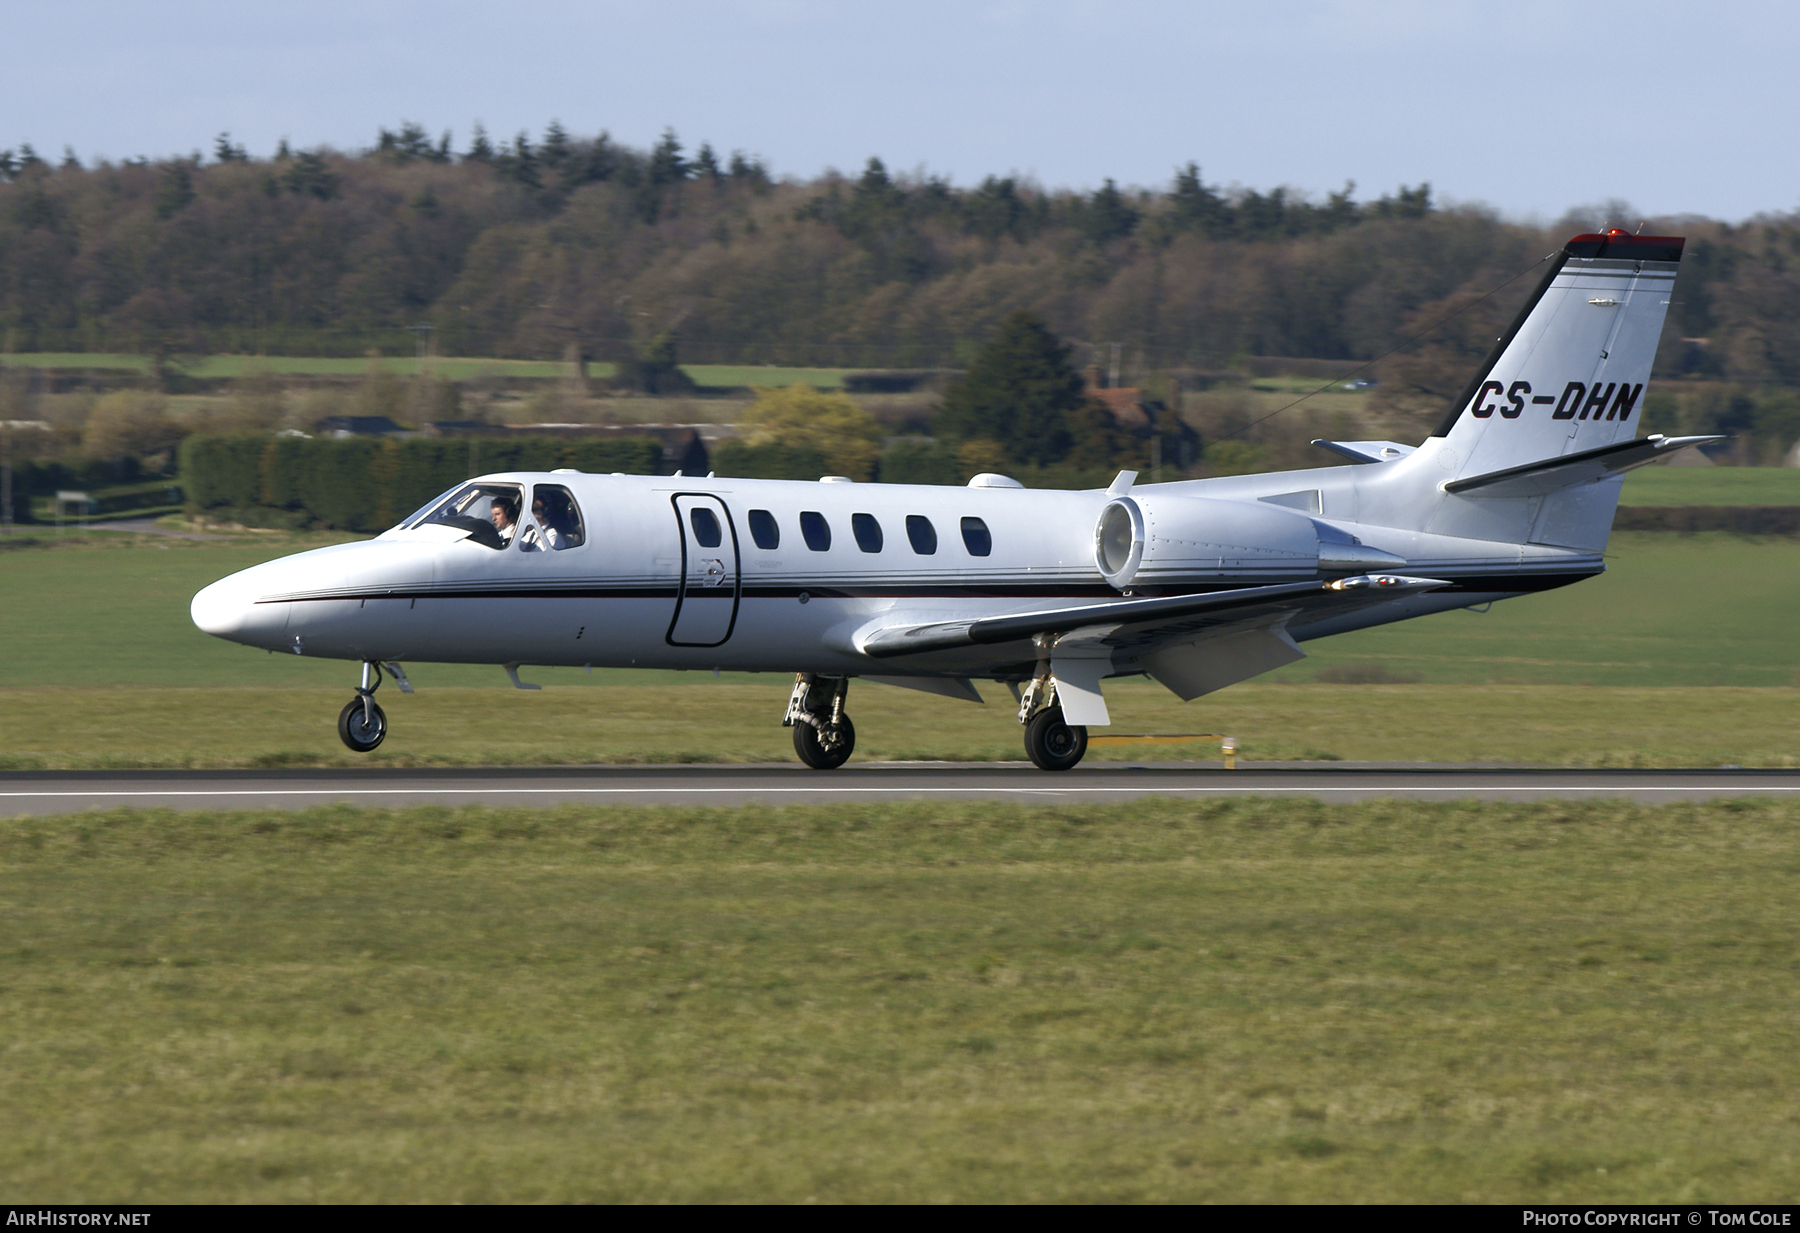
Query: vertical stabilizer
(1567, 377)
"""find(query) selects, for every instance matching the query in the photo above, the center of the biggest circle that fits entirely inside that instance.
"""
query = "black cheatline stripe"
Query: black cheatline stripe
(568, 592)
(1548, 579)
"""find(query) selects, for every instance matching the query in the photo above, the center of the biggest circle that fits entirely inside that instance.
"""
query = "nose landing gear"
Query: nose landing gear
(362, 723)
(823, 734)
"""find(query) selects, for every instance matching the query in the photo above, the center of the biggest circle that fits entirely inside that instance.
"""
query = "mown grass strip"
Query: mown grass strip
(1247, 1000)
(455, 368)
(738, 720)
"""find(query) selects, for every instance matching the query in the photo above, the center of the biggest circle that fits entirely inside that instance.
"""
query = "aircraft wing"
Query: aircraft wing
(1538, 478)
(1142, 623)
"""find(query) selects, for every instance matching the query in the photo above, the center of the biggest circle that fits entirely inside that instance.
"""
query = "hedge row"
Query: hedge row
(367, 484)
(35, 478)
(772, 461)
(41, 478)
(1737, 519)
(903, 462)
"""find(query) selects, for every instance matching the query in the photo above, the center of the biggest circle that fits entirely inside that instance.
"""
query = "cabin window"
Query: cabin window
(976, 538)
(815, 530)
(488, 512)
(867, 532)
(763, 529)
(707, 532)
(555, 521)
(921, 534)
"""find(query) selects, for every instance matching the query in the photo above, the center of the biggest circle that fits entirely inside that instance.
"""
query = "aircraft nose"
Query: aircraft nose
(221, 609)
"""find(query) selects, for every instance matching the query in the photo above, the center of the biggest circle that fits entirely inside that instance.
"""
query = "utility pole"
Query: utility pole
(6, 436)
(421, 333)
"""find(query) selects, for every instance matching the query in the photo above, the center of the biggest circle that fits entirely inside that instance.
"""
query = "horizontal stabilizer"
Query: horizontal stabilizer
(889, 641)
(1367, 451)
(1535, 479)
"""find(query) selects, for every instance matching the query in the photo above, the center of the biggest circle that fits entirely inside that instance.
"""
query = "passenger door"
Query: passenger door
(707, 600)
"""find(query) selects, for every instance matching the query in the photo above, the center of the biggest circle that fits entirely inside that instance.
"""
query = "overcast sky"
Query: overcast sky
(1530, 106)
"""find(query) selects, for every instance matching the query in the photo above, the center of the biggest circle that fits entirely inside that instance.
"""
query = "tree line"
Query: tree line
(531, 246)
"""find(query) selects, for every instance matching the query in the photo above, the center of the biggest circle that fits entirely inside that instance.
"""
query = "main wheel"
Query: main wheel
(828, 750)
(1053, 745)
(354, 728)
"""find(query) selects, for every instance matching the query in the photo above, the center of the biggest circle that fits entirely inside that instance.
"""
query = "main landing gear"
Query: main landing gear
(362, 723)
(823, 734)
(1050, 743)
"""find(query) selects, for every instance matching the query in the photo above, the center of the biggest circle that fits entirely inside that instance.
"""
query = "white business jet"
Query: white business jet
(1197, 584)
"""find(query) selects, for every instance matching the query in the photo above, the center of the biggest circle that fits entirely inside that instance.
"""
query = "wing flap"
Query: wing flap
(1137, 622)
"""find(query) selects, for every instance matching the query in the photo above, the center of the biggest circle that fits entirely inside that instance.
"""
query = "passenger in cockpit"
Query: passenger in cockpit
(546, 523)
(505, 513)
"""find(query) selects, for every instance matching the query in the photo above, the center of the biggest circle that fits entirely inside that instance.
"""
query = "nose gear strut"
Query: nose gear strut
(362, 724)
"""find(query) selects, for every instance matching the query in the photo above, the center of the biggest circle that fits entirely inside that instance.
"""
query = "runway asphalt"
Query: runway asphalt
(49, 792)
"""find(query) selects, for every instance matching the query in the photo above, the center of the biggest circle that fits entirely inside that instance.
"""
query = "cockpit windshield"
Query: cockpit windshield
(488, 512)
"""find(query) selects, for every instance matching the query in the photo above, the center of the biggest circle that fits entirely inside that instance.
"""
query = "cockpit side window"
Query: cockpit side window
(488, 512)
(556, 519)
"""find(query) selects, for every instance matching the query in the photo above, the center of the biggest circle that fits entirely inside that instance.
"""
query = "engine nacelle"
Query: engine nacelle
(1154, 540)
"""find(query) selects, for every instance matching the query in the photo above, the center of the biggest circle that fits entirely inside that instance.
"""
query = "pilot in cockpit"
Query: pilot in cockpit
(505, 513)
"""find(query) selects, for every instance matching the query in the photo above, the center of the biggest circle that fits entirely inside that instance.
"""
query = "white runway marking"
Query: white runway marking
(855, 791)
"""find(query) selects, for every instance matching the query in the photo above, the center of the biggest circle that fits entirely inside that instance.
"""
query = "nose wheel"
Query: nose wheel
(362, 723)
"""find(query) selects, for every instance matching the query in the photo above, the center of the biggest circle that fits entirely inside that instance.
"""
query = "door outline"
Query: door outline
(681, 586)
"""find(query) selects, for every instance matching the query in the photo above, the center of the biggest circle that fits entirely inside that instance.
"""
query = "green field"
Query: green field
(1232, 1001)
(1712, 486)
(1682, 654)
(455, 368)
(1670, 610)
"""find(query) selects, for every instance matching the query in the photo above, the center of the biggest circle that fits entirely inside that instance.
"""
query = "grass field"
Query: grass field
(1232, 1001)
(456, 368)
(1665, 660)
(1712, 486)
(1671, 610)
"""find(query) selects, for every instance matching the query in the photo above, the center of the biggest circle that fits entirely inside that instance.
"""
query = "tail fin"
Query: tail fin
(1567, 378)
